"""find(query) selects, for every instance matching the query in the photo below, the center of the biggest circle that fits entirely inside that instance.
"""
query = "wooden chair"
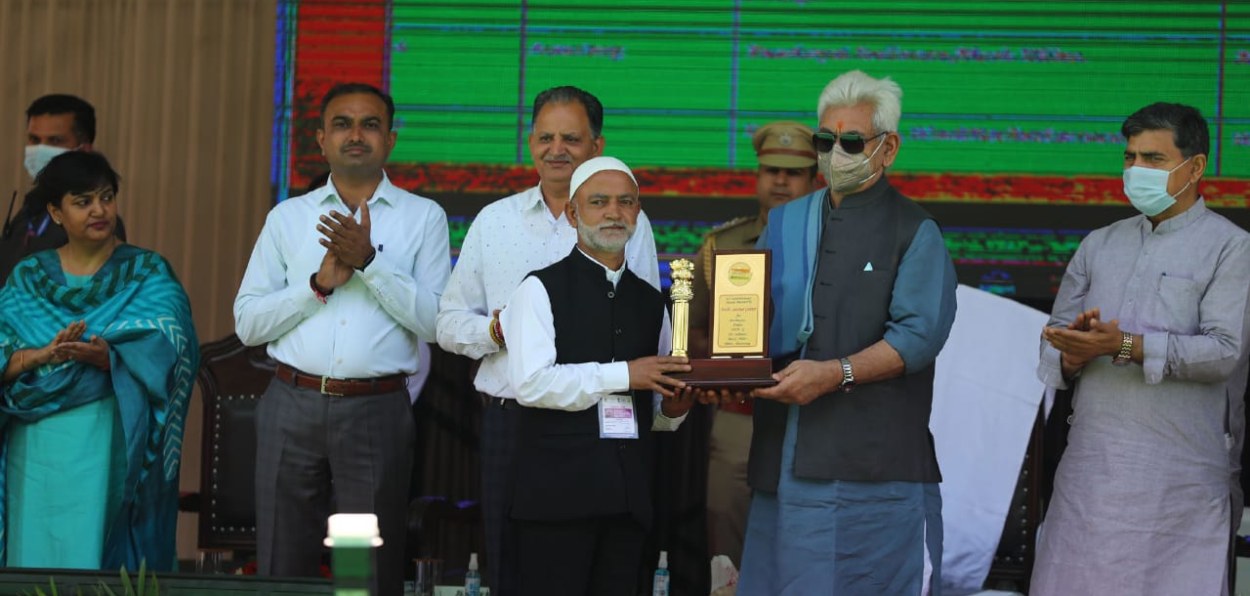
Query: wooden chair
(232, 378)
(1013, 560)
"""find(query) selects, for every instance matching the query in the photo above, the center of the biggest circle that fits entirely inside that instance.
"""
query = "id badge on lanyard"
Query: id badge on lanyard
(616, 417)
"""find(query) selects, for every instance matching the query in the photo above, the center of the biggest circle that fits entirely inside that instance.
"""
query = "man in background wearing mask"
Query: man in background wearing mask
(842, 463)
(54, 124)
(1151, 325)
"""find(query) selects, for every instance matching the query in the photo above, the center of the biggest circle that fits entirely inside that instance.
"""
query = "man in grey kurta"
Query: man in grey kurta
(1150, 324)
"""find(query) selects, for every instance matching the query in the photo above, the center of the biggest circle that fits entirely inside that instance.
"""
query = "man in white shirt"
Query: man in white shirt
(586, 332)
(343, 320)
(508, 239)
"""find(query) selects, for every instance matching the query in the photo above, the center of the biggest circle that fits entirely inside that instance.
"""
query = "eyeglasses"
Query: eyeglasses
(852, 142)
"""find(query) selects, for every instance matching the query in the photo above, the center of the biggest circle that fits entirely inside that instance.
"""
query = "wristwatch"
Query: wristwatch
(368, 259)
(1125, 355)
(848, 376)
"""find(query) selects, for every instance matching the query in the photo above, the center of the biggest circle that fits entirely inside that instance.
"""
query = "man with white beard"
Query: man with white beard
(510, 238)
(584, 334)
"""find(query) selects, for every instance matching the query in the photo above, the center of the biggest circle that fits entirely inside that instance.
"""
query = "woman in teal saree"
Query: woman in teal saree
(99, 355)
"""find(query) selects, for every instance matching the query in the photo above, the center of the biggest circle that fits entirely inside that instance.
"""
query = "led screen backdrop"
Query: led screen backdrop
(1011, 110)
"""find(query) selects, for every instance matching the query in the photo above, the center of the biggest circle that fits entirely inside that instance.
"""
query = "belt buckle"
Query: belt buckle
(324, 391)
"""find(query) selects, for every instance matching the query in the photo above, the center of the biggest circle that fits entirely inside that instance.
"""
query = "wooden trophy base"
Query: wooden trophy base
(729, 373)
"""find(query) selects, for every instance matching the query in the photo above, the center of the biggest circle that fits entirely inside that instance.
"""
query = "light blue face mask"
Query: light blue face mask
(38, 156)
(1147, 188)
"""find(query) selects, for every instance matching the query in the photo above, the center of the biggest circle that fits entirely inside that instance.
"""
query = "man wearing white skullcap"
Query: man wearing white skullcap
(510, 238)
(584, 334)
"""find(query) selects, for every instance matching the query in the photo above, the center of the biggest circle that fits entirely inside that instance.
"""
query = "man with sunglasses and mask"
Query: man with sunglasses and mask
(864, 298)
(1150, 325)
(787, 171)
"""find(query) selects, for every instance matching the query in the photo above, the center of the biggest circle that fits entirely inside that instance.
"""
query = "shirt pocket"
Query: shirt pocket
(1176, 304)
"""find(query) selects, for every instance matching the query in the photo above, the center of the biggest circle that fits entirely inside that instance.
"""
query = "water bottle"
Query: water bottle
(472, 579)
(352, 538)
(659, 586)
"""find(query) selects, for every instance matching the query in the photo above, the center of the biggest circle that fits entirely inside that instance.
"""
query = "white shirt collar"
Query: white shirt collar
(612, 276)
(384, 192)
(534, 201)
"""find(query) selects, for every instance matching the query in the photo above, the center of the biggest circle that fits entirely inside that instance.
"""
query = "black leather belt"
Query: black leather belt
(341, 387)
(503, 403)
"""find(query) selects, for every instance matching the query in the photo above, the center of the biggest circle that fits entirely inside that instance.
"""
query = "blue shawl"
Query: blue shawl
(136, 304)
(793, 235)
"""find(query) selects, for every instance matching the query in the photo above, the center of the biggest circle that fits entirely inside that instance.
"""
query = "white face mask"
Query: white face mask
(1147, 189)
(38, 156)
(845, 172)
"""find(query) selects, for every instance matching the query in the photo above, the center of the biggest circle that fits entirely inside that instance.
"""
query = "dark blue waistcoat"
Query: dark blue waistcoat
(880, 431)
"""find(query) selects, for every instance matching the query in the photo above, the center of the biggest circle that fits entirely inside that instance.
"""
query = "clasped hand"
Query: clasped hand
(68, 345)
(348, 245)
(1085, 338)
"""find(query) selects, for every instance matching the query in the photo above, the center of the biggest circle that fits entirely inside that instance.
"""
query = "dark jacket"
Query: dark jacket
(880, 431)
(563, 469)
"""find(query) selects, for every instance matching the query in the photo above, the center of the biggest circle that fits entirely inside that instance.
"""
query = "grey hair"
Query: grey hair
(856, 87)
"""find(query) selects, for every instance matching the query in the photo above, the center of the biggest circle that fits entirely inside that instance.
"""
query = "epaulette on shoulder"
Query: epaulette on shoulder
(729, 225)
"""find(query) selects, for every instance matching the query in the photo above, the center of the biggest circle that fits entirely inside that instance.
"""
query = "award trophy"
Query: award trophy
(738, 311)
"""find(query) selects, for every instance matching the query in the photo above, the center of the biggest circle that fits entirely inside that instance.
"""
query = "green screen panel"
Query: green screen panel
(454, 78)
(989, 87)
(1234, 156)
(1014, 145)
(665, 83)
(644, 140)
(455, 136)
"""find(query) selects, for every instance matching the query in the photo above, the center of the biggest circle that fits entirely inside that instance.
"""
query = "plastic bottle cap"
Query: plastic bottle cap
(348, 529)
(663, 559)
(473, 561)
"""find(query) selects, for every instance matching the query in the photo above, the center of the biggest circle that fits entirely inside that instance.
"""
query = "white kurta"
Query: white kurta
(1142, 495)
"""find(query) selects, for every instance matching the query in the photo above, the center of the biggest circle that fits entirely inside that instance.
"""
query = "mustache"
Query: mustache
(350, 146)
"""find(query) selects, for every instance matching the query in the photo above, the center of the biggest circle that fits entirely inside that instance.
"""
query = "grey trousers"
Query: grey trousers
(317, 455)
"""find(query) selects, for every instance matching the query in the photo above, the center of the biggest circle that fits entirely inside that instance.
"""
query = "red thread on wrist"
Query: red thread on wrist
(317, 291)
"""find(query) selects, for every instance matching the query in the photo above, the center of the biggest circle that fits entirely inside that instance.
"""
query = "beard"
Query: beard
(606, 237)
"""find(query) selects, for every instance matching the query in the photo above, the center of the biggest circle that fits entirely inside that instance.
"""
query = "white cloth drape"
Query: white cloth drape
(986, 396)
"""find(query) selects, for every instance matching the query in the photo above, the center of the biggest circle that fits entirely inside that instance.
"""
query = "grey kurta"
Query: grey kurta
(1142, 495)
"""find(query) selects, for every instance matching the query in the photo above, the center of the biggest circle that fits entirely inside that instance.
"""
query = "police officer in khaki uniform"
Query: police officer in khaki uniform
(787, 171)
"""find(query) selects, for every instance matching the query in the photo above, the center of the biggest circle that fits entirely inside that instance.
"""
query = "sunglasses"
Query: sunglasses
(852, 142)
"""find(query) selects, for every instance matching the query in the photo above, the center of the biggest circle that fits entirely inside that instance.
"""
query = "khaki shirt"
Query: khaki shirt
(736, 234)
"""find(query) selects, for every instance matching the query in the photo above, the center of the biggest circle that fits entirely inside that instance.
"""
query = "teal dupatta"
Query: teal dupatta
(138, 306)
